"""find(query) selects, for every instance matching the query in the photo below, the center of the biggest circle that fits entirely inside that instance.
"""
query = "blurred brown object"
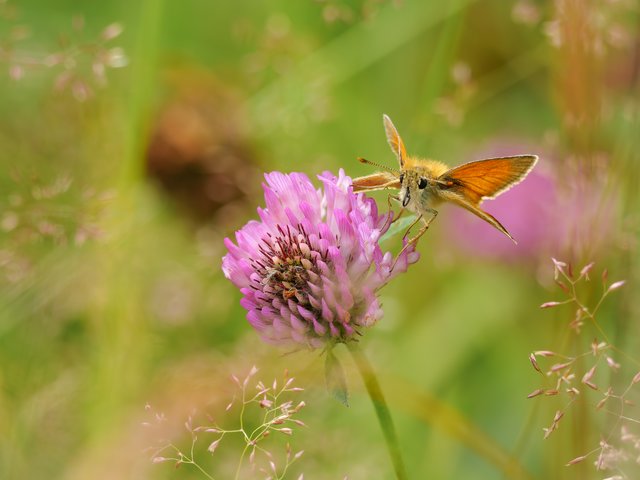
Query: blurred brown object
(198, 152)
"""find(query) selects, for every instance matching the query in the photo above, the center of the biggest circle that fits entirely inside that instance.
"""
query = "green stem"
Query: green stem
(244, 452)
(432, 411)
(202, 470)
(382, 410)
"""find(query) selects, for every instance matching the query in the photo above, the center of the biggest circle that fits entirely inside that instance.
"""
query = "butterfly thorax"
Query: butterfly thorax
(418, 189)
(431, 168)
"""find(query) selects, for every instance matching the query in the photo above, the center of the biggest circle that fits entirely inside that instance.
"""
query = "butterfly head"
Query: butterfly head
(412, 185)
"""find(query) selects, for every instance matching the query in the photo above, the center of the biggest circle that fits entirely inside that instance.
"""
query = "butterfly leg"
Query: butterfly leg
(399, 215)
(393, 218)
(425, 227)
(397, 199)
(406, 234)
(414, 240)
(434, 214)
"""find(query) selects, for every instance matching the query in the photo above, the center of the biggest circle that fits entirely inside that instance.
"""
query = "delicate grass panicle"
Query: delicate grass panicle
(311, 267)
(79, 63)
(277, 413)
(594, 377)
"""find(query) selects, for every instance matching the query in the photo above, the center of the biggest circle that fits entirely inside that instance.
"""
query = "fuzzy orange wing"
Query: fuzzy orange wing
(487, 178)
(376, 181)
(487, 217)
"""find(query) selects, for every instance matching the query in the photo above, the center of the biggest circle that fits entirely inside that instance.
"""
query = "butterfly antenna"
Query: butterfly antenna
(381, 167)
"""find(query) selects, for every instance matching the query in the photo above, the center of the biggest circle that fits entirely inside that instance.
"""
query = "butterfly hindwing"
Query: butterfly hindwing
(487, 217)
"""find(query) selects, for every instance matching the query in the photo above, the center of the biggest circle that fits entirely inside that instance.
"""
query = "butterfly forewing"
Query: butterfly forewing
(488, 178)
(394, 139)
(376, 181)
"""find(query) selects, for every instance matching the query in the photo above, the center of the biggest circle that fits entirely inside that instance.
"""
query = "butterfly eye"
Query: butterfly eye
(401, 177)
(422, 183)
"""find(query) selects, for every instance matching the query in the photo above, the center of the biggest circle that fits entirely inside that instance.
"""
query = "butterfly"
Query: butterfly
(424, 184)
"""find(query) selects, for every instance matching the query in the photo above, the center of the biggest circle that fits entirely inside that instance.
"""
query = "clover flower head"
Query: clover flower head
(310, 269)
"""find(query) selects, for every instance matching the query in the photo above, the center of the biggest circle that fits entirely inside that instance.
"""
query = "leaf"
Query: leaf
(336, 381)
(398, 226)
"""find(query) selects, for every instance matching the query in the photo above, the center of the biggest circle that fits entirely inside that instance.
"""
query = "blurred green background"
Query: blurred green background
(128, 156)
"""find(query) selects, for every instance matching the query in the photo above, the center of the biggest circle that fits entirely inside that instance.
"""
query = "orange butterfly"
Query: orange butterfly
(424, 184)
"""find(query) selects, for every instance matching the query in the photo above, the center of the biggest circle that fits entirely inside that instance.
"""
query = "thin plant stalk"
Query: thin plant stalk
(382, 410)
(431, 411)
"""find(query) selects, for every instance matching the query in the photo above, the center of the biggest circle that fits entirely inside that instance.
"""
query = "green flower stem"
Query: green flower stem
(382, 410)
(432, 411)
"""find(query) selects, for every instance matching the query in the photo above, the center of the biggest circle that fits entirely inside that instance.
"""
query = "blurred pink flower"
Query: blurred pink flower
(548, 214)
(310, 269)
(526, 211)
